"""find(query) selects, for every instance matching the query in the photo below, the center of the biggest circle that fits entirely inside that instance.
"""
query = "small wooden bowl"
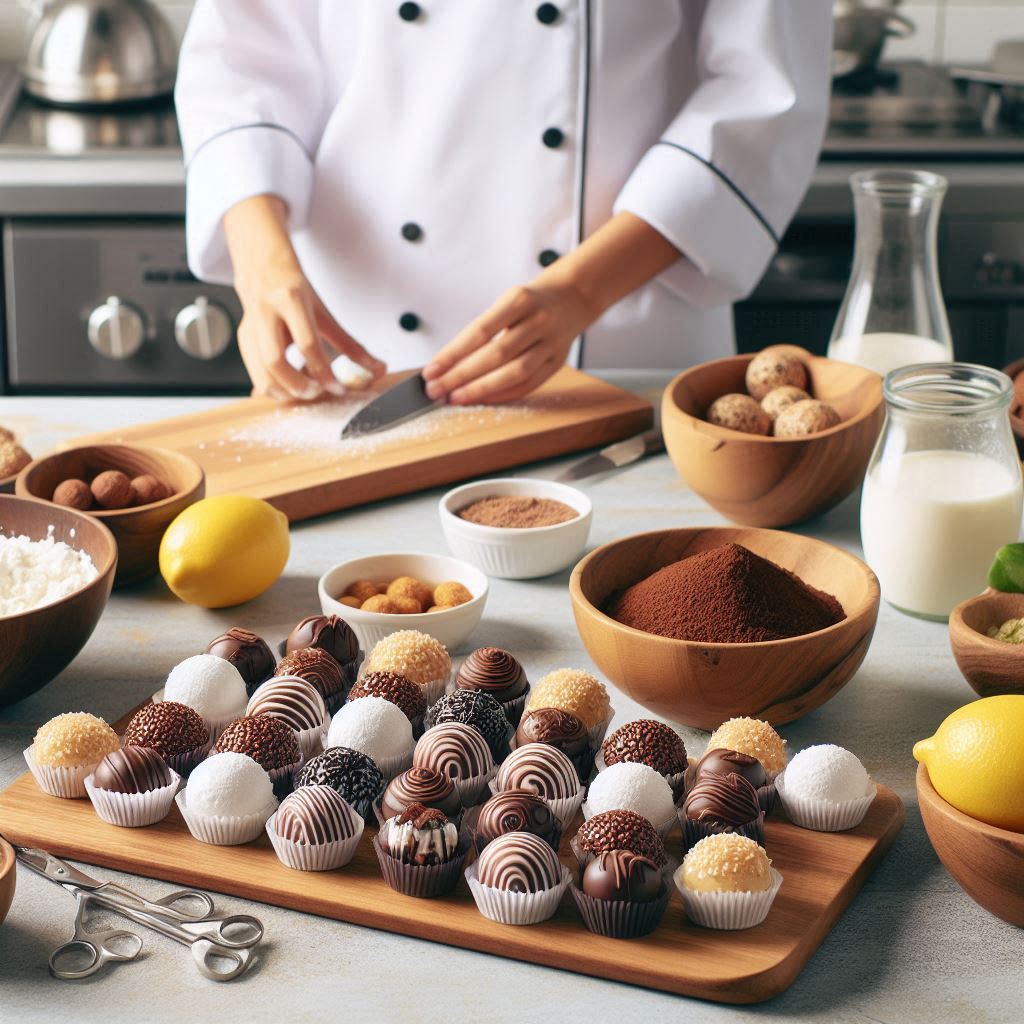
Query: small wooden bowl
(987, 862)
(37, 645)
(701, 684)
(8, 877)
(990, 666)
(138, 530)
(772, 481)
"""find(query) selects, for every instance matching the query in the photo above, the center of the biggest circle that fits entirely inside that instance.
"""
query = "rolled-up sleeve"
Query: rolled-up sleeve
(728, 173)
(250, 100)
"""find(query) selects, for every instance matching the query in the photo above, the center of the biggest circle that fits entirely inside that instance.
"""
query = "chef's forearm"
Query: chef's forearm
(256, 230)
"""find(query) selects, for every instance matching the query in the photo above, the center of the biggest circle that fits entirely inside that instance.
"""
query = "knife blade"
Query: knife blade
(403, 402)
(614, 456)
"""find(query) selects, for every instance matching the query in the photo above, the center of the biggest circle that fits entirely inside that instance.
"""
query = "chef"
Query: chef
(489, 188)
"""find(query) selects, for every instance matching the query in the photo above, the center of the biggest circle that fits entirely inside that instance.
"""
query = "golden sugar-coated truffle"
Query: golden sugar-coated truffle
(407, 605)
(409, 586)
(362, 590)
(112, 489)
(148, 489)
(772, 368)
(451, 594)
(739, 412)
(804, 418)
(726, 863)
(782, 398)
(73, 494)
(412, 654)
(13, 458)
(575, 691)
(754, 738)
(351, 602)
(380, 603)
(72, 740)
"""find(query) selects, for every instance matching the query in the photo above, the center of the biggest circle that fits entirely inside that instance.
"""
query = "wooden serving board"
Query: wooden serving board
(822, 872)
(292, 456)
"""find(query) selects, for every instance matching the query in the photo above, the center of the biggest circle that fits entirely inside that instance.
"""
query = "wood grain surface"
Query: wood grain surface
(991, 666)
(571, 412)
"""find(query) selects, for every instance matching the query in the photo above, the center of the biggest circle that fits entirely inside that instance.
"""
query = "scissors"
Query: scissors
(222, 945)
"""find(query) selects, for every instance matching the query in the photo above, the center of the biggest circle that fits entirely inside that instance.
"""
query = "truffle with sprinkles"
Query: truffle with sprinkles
(753, 737)
(412, 654)
(72, 740)
(575, 691)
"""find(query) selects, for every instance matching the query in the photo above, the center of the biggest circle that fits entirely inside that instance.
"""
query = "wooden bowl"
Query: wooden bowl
(987, 862)
(37, 645)
(1017, 405)
(8, 877)
(138, 530)
(702, 684)
(772, 481)
(990, 666)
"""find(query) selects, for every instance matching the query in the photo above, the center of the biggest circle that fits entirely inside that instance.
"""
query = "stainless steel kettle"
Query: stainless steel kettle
(87, 52)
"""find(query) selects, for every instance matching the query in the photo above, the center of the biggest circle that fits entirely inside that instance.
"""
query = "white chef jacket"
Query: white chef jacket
(433, 154)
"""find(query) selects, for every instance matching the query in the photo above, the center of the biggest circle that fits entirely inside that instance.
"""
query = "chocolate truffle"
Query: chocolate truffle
(209, 685)
(573, 690)
(540, 768)
(326, 632)
(519, 862)
(494, 671)
(726, 863)
(722, 801)
(315, 666)
(420, 786)
(455, 750)
(559, 728)
(825, 772)
(292, 700)
(633, 787)
(268, 741)
(132, 770)
(517, 810)
(422, 836)
(248, 652)
(73, 740)
(315, 815)
(648, 742)
(754, 737)
(169, 728)
(376, 727)
(412, 654)
(402, 692)
(351, 773)
(622, 875)
(479, 710)
(229, 785)
(621, 830)
(732, 762)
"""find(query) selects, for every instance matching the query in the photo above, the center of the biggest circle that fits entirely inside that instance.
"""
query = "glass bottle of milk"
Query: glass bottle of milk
(943, 489)
(893, 313)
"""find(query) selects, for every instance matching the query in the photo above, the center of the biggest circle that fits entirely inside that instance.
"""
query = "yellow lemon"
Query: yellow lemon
(224, 550)
(975, 760)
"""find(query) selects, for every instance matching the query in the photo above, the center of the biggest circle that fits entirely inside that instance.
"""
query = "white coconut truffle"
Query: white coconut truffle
(374, 726)
(631, 786)
(229, 785)
(209, 685)
(827, 772)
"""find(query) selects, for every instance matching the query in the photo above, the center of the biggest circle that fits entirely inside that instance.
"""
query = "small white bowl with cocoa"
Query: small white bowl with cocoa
(517, 527)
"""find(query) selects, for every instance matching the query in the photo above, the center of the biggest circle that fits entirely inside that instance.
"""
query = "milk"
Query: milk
(887, 350)
(931, 522)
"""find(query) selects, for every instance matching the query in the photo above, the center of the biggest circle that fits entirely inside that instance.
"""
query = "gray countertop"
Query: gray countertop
(911, 948)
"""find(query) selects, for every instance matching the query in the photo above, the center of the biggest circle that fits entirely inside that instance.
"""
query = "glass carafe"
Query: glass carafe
(893, 313)
(943, 489)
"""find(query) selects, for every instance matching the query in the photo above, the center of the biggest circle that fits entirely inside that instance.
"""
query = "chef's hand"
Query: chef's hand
(280, 307)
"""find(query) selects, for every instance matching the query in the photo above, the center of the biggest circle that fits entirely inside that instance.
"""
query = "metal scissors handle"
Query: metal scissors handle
(96, 947)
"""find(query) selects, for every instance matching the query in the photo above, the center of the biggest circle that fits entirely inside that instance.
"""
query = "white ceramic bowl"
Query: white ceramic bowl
(517, 554)
(452, 626)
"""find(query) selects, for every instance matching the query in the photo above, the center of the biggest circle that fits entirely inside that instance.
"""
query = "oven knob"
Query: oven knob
(116, 329)
(203, 330)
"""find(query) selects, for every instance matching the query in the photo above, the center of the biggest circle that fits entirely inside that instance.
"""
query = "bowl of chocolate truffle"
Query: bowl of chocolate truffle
(136, 491)
(703, 625)
(774, 438)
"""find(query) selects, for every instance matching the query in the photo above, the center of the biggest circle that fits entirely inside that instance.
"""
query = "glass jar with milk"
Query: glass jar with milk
(893, 313)
(943, 490)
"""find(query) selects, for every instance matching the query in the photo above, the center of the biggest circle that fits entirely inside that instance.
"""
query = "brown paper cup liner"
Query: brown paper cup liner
(422, 882)
(620, 919)
(283, 779)
(133, 810)
(67, 783)
(584, 857)
(824, 815)
(221, 830)
(663, 828)
(514, 708)
(695, 831)
(765, 794)
(518, 908)
(310, 857)
(728, 911)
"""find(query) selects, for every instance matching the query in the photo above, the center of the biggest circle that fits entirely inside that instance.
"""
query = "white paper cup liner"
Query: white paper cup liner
(311, 741)
(564, 808)
(476, 789)
(519, 908)
(314, 857)
(598, 732)
(823, 815)
(220, 830)
(392, 766)
(728, 911)
(434, 690)
(662, 828)
(133, 810)
(67, 783)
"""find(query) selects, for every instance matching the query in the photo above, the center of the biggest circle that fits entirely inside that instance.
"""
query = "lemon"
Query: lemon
(224, 550)
(975, 760)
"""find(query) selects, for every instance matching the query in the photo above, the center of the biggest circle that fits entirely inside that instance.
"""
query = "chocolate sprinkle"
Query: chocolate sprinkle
(647, 742)
(621, 830)
(268, 741)
(402, 692)
(168, 727)
(479, 710)
(353, 774)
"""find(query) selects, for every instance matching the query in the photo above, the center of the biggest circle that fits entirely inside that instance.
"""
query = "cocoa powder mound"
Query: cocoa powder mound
(516, 512)
(727, 595)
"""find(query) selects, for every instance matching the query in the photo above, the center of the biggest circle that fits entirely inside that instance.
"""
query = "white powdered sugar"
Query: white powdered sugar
(38, 572)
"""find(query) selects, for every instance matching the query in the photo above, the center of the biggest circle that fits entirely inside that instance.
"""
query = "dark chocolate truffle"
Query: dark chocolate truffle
(479, 710)
(168, 727)
(402, 692)
(268, 741)
(326, 632)
(132, 770)
(494, 671)
(622, 875)
(420, 786)
(294, 701)
(559, 728)
(422, 836)
(315, 666)
(519, 862)
(647, 742)
(517, 810)
(723, 801)
(729, 762)
(621, 830)
(315, 815)
(353, 774)
(455, 750)
(248, 652)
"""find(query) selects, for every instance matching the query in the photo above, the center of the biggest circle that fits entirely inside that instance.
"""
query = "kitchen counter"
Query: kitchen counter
(912, 947)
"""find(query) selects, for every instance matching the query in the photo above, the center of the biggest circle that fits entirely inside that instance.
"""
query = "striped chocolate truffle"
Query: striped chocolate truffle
(541, 768)
(315, 815)
(519, 862)
(455, 750)
(132, 770)
(420, 786)
(293, 701)
(517, 810)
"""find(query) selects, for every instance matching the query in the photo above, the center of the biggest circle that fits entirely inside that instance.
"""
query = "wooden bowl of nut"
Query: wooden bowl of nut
(786, 457)
(992, 666)
(134, 490)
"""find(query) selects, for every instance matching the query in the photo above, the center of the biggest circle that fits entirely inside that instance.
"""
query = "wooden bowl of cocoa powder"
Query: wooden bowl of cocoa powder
(701, 683)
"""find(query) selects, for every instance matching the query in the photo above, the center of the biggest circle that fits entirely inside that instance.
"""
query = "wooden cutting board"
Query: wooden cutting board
(822, 873)
(291, 455)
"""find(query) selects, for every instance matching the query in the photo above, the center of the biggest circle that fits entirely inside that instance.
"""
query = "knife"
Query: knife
(615, 456)
(403, 402)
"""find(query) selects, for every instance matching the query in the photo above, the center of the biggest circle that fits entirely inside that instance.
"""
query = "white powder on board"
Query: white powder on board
(38, 572)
